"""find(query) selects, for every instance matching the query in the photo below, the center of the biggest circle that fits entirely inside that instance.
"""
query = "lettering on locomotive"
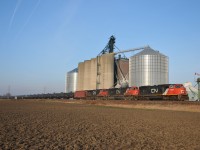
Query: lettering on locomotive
(118, 92)
(94, 92)
(154, 90)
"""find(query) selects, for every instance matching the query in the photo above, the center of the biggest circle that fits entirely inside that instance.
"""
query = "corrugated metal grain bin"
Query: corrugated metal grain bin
(149, 67)
(71, 81)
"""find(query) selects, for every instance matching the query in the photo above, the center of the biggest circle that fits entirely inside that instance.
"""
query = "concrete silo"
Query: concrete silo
(71, 81)
(87, 73)
(105, 71)
(97, 73)
(148, 67)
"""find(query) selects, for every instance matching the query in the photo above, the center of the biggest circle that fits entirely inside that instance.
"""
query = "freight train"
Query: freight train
(156, 92)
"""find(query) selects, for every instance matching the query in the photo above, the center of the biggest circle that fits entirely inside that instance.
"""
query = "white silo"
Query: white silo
(148, 67)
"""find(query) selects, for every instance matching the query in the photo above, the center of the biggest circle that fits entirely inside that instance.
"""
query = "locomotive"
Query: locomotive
(156, 92)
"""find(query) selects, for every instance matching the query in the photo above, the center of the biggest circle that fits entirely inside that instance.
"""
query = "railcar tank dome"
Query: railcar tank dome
(71, 80)
(148, 67)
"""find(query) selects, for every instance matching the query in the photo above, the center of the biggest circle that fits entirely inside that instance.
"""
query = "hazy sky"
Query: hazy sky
(41, 40)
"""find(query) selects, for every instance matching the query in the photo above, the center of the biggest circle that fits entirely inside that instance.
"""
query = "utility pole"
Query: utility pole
(8, 93)
(198, 82)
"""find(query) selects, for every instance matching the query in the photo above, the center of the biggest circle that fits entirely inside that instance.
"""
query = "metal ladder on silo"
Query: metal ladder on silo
(98, 73)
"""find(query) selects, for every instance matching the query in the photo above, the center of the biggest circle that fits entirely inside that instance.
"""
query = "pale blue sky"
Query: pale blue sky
(41, 40)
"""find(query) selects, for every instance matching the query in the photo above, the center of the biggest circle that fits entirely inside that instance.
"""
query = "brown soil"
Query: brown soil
(29, 124)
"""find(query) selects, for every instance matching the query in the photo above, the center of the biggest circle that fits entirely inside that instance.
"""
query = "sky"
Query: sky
(41, 40)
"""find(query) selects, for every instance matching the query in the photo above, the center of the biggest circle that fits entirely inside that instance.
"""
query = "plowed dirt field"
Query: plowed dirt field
(31, 124)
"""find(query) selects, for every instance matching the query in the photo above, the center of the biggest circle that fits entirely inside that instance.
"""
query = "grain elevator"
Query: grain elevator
(110, 70)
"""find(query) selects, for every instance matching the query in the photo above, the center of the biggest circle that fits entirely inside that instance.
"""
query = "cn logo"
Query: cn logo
(154, 90)
(118, 92)
(94, 92)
